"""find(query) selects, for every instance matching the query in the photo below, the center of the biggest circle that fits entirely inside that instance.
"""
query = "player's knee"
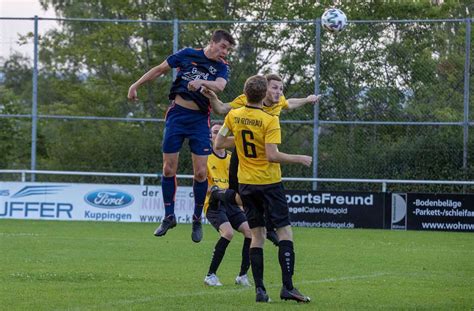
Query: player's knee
(169, 169)
(247, 233)
(227, 234)
(285, 233)
(244, 228)
(258, 237)
(200, 174)
(168, 172)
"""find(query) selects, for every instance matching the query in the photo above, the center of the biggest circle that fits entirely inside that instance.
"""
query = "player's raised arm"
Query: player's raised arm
(150, 75)
(217, 105)
(294, 103)
(273, 155)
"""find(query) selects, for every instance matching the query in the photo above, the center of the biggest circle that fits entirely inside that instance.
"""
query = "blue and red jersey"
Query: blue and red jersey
(192, 64)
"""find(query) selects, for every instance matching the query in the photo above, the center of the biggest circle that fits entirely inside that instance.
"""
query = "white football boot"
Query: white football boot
(212, 280)
(242, 280)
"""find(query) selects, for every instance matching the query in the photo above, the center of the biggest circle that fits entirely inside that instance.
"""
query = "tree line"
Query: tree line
(387, 72)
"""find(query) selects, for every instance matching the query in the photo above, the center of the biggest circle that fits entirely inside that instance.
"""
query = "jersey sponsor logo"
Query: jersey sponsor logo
(220, 180)
(108, 198)
(212, 70)
(195, 74)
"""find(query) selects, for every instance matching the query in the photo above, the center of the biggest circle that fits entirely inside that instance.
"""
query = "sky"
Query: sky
(9, 29)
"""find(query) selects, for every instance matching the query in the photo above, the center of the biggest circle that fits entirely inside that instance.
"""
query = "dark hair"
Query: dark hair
(216, 122)
(220, 34)
(255, 89)
(273, 76)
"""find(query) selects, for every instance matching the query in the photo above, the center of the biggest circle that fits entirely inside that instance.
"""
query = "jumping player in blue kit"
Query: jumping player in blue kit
(188, 117)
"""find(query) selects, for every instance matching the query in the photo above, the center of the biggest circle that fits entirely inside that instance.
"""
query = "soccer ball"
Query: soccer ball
(334, 20)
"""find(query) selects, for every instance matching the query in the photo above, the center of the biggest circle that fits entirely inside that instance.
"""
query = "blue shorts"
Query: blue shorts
(184, 123)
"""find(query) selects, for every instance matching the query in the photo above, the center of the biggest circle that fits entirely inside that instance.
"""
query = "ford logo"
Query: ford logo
(108, 198)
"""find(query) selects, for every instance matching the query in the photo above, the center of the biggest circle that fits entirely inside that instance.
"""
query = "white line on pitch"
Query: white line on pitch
(213, 291)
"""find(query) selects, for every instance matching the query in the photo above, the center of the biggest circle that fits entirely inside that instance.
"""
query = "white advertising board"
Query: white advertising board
(90, 202)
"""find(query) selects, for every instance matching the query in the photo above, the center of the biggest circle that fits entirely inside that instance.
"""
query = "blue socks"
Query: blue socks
(168, 186)
(200, 191)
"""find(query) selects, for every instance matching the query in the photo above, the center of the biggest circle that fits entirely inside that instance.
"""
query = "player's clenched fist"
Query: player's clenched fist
(305, 160)
(313, 98)
(132, 93)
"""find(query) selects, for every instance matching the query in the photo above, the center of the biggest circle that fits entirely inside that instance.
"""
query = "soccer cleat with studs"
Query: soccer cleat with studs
(242, 280)
(262, 295)
(293, 294)
(167, 223)
(212, 280)
(196, 234)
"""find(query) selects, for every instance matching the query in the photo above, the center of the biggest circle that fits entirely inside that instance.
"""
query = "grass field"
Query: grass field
(53, 265)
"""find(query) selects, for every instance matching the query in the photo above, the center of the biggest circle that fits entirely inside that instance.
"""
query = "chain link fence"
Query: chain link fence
(396, 96)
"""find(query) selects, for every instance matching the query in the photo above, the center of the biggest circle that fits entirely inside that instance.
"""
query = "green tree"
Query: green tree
(370, 72)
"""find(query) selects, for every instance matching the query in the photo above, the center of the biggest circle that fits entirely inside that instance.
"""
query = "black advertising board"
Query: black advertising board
(321, 209)
(423, 211)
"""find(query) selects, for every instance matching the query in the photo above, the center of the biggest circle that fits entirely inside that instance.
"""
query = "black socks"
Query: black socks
(256, 261)
(286, 257)
(245, 265)
(219, 252)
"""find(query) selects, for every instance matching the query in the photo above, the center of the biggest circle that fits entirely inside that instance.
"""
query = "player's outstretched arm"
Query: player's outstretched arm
(294, 103)
(273, 155)
(150, 75)
(217, 105)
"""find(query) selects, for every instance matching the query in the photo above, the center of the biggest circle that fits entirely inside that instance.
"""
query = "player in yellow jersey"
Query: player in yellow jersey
(256, 135)
(224, 215)
(273, 103)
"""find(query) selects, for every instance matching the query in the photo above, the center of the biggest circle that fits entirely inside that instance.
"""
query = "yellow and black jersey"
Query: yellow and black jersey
(252, 128)
(217, 173)
(274, 110)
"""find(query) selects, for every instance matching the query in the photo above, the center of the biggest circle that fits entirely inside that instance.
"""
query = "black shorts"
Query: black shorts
(233, 170)
(265, 202)
(226, 213)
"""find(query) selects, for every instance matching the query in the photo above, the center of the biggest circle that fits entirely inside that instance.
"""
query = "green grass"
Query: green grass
(53, 265)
